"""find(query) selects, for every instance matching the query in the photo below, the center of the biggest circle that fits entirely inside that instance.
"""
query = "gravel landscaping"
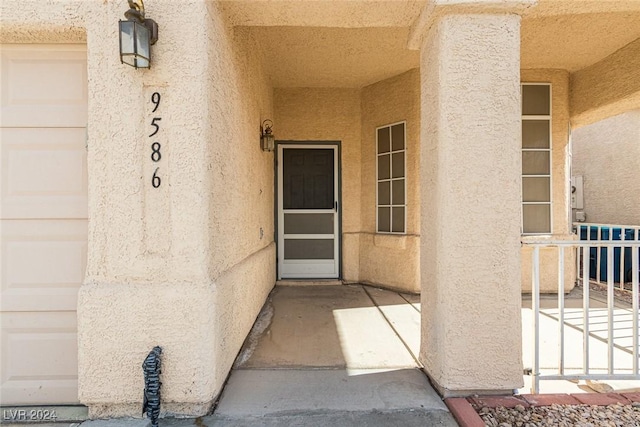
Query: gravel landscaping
(625, 296)
(563, 415)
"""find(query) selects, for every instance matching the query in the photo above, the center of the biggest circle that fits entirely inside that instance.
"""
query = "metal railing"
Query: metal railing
(590, 316)
(622, 258)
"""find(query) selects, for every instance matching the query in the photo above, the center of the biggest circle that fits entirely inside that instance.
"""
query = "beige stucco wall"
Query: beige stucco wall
(351, 116)
(193, 247)
(607, 155)
(560, 182)
(606, 88)
(325, 114)
(470, 203)
(184, 266)
(187, 266)
(386, 259)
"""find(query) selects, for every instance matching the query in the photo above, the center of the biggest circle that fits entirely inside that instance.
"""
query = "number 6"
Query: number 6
(155, 181)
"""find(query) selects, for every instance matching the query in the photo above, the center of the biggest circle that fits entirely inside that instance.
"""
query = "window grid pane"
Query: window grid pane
(384, 166)
(391, 182)
(536, 189)
(536, 100)
(536, 162)
(384, 143)
(536, 218)
(536, 159)
(536, 134)
(384, 193)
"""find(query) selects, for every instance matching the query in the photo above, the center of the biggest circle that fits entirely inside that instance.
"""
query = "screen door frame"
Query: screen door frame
(336, 270)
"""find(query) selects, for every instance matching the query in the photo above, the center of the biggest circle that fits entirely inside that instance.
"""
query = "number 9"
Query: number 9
(155, 98)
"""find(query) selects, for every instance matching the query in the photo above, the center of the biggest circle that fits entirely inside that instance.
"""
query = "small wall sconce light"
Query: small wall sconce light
(266, 135)
(137, 34)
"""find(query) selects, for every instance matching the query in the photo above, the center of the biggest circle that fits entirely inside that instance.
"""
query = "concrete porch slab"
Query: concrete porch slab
(331, 355)
(269, 393)
(328, 327)
(407, 418)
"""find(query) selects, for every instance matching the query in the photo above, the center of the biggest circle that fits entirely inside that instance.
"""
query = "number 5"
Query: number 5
(154, 124)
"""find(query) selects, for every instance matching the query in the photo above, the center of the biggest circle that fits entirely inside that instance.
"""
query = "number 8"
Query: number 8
(155, 153)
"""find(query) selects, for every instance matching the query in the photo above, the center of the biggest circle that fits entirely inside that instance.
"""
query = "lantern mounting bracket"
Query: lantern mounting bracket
(136, 13)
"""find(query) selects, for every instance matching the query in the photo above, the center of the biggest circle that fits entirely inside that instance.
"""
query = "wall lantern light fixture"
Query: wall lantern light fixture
(266, 135)
(137, 34)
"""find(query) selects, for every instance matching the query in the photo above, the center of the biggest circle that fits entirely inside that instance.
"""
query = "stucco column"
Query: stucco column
(470, 198)
(147, 280)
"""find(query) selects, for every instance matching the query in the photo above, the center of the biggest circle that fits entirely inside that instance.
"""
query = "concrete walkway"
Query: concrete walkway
(327, 355)
(332, 355)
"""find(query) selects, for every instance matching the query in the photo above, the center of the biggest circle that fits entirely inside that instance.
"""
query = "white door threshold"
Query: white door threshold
(308, 282)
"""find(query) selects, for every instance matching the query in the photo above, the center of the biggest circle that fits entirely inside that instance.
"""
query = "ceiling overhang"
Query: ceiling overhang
(322, 13)
(327, 43)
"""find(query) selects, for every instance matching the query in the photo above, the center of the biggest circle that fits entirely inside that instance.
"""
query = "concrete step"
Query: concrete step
(329, 397)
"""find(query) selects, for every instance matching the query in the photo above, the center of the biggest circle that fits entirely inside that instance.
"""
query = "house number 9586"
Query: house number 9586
(156, 155)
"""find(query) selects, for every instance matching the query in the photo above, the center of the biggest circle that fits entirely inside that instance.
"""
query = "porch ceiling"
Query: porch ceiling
(572, 42)
(318, 43)
(323, 13)
(333, 57)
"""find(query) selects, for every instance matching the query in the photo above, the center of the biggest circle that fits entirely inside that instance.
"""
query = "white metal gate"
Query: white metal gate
(619, 340)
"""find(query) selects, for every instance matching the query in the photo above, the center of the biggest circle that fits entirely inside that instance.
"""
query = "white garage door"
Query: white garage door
(43, 185)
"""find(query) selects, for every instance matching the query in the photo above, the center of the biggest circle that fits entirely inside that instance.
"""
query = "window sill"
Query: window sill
(391, 241)
(538, 237)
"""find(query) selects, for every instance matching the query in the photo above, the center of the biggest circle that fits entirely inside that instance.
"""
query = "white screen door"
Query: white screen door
(308, 229)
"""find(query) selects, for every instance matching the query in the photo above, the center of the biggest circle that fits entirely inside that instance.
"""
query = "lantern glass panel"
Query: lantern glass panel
(127, 48)
(269, 142)
(142, 38)
(134, 44)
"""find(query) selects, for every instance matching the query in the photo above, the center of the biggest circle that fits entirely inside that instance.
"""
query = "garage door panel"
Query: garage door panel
(44, 86)
(40, 368)
(43, 220)
(43, 264)
(44, 173)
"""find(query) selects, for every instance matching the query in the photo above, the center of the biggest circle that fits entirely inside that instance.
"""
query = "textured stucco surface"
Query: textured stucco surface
(195, 324)
(577, 40)
(435, 9)
(200, 233)
(351, 116)
(607, 155)
(184, 266)
(34, 21)
(606, 88)
(549, 259)
(324, 13)
(333, 57)
(189, 265)
(356, 43)
(391, 260)
(390, 13)
(320, 115)
(470, 81)
(560, 178)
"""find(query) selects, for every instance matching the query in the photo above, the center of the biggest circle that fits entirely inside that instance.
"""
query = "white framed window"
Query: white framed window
(391, 182)
(536, 158)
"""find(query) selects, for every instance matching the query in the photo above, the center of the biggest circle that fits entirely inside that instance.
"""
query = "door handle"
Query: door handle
(335, 205)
